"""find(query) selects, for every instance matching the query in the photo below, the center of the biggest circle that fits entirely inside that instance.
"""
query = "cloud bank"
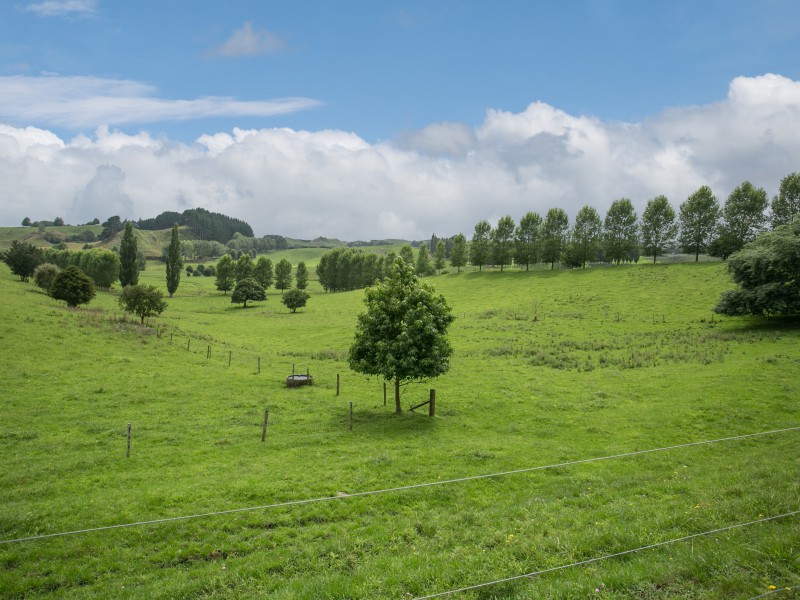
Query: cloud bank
(442, 179)
(78, 102)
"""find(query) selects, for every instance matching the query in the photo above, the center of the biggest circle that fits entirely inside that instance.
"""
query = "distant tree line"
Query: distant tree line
(201, 223)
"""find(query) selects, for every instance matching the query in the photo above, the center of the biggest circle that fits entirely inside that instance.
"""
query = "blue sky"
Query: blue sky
(368, 103)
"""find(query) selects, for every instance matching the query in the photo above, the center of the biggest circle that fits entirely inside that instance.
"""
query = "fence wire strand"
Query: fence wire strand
(414, 486)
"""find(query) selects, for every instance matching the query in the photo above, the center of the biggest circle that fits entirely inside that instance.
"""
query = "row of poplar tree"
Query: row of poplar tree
(701, 226)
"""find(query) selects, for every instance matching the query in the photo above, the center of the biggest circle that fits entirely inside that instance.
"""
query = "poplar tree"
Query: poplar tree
(458, 256)
(174, 262)
(128, 257)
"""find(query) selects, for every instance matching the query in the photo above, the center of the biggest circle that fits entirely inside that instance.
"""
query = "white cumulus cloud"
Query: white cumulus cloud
(442, 179)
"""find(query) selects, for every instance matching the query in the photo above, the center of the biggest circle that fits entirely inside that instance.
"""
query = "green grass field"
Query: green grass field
(550, 368)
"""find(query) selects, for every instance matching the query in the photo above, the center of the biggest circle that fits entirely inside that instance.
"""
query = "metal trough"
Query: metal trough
(298, 380)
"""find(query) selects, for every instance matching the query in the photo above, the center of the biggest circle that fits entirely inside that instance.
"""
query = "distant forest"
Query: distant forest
(203, 224)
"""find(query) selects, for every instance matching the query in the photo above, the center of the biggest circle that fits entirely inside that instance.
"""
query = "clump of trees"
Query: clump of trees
(767, 271)
(402, 335)
(344, 269)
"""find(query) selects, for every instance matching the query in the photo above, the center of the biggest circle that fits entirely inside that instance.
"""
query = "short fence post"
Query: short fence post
(189, 341)
(337, 384)
(264, 429)
(432, 404)
(208, 352)
(384, 393)
(170, 338)
(128, 452)
(259, 364)
(229, 357)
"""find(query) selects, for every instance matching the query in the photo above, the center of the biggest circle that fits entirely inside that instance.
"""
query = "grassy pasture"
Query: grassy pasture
(549, 368)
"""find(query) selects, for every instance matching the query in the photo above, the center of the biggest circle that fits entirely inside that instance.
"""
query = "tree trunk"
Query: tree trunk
(397, 408)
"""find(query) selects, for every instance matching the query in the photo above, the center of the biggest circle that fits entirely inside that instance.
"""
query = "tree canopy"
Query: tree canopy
(22, 258)
(247, 289)
(73, 286)
(786, 205)
(699, 216)
(402, 336)
(658, 227)
(480, 246)
(767, 272)
(142, 300)
(620, 231)
(174, 262)
(295, 298)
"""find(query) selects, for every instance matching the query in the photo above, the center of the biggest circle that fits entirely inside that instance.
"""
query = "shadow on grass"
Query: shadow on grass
(383, 422)
(762, 324)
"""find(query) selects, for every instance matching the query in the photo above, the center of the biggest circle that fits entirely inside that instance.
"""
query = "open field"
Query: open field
(550, 368)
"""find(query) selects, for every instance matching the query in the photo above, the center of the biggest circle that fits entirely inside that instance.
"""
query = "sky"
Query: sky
(371, 120)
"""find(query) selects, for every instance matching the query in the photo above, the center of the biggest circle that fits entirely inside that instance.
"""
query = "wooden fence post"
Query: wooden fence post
(128, 452)
(264, 429)
(259, 364)
(432, 404)
(188, 342)
(337, 384)
(384, 393)
(208, 352)
(229, 357)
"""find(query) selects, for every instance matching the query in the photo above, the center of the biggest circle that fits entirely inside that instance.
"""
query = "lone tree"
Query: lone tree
(128, 257)
(767, 271)
(247, 289)
(174, 262)
(22, 258)
(402, 335)
(142, 300)
(73, 286)
(295, 298)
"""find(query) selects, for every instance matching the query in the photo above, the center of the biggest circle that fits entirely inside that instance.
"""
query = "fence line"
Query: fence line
(306, 501)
